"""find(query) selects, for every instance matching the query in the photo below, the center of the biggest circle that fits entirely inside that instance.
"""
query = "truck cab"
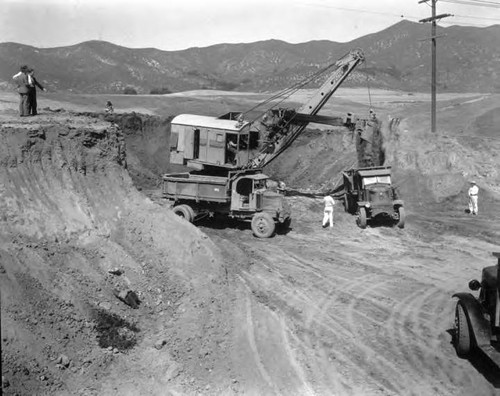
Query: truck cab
(252, 199)
(369, 193)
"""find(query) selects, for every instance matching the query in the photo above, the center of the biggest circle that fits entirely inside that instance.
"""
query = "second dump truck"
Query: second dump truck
(369, 194)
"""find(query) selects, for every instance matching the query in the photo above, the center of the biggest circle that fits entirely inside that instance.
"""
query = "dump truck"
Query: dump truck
(369, 193)
(477, 319)
(245, 195)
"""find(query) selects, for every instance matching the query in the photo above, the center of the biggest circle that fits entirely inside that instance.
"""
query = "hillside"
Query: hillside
(396, 58)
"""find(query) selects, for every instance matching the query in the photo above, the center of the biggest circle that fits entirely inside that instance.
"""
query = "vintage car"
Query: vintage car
(477, 319)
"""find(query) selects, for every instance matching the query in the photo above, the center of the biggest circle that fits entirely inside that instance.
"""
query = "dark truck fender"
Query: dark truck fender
(481, 333)
(398, 202)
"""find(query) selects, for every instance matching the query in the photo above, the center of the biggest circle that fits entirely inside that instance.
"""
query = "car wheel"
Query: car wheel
(402, 217)
(462, 339)
(184, 211)
(263, 225)
(361, 218)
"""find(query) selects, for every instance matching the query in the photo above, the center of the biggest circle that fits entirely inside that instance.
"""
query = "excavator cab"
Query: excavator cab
(202, 142)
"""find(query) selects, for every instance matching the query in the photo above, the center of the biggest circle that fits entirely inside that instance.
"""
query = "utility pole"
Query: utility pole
(433, 38)
(1, 356)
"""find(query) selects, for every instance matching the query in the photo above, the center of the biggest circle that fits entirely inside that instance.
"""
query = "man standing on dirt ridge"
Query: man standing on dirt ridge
(328, 212)
(33, 83)
(23, 82)
(473, 191)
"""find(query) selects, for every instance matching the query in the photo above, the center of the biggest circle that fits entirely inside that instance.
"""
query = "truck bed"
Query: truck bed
(187, 186)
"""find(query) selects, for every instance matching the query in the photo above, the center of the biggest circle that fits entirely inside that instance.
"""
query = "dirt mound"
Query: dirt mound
(429, 168)
(75, 233)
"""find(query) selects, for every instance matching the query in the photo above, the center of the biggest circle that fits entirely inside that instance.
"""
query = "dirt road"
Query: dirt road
(347, 311)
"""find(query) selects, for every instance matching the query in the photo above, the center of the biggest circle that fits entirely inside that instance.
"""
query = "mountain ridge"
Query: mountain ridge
(397, 58)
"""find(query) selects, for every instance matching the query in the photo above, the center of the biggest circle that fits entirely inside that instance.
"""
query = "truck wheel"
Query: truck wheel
(184, 211)
(362, 218)
(263, 225)
(346, 203)
(462, 339)
(402, 217)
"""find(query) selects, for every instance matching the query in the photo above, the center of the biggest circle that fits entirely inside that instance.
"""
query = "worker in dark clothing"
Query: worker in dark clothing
(232, 150)
(33, 83)
(109, 107)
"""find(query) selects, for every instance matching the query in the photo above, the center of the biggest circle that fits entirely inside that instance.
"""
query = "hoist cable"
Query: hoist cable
(368, 86)
(287, 92)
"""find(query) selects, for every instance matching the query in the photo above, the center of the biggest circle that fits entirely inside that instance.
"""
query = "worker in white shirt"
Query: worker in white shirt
(328, 212)
(473, 191)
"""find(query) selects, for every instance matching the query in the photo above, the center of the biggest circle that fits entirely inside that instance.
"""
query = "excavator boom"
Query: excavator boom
(287, 125)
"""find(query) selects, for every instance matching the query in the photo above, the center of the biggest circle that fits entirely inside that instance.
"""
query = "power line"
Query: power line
(471, 17)
(358, 10)
(472, 3)
(446, 24)
(485, 2)
(409, 17)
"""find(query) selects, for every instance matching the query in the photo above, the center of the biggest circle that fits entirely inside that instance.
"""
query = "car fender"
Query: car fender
(479, 325)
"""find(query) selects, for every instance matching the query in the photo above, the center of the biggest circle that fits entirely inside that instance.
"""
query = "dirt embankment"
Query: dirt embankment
(429, 168)
(75, 234)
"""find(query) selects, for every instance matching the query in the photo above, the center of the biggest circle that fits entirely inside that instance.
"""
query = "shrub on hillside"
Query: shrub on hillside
(160, 91)
(130, 91)
(226, 85)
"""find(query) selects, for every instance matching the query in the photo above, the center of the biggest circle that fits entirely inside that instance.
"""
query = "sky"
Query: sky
(179, 24)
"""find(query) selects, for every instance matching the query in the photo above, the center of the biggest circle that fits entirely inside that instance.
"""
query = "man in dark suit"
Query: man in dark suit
(22, 82)
(33, 83)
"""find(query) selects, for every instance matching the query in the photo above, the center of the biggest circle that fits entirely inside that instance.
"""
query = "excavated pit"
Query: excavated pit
(71, 216)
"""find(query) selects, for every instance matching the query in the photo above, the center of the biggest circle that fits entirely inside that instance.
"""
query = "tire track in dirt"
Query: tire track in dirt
(360, 299)
(340, 292)
(302, 385)
(310, 301)
(384, 365)
(253, 345)
(410, 344)
(306, 390)
(357, 295)
(363, 311)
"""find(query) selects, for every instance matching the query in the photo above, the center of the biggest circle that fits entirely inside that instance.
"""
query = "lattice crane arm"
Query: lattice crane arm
(283, 129)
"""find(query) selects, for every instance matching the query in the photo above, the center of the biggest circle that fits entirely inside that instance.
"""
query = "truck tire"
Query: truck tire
(402, 217)
(346, 203)
(184, 211)
(263, 225)
(462, 339)
(361, 218)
